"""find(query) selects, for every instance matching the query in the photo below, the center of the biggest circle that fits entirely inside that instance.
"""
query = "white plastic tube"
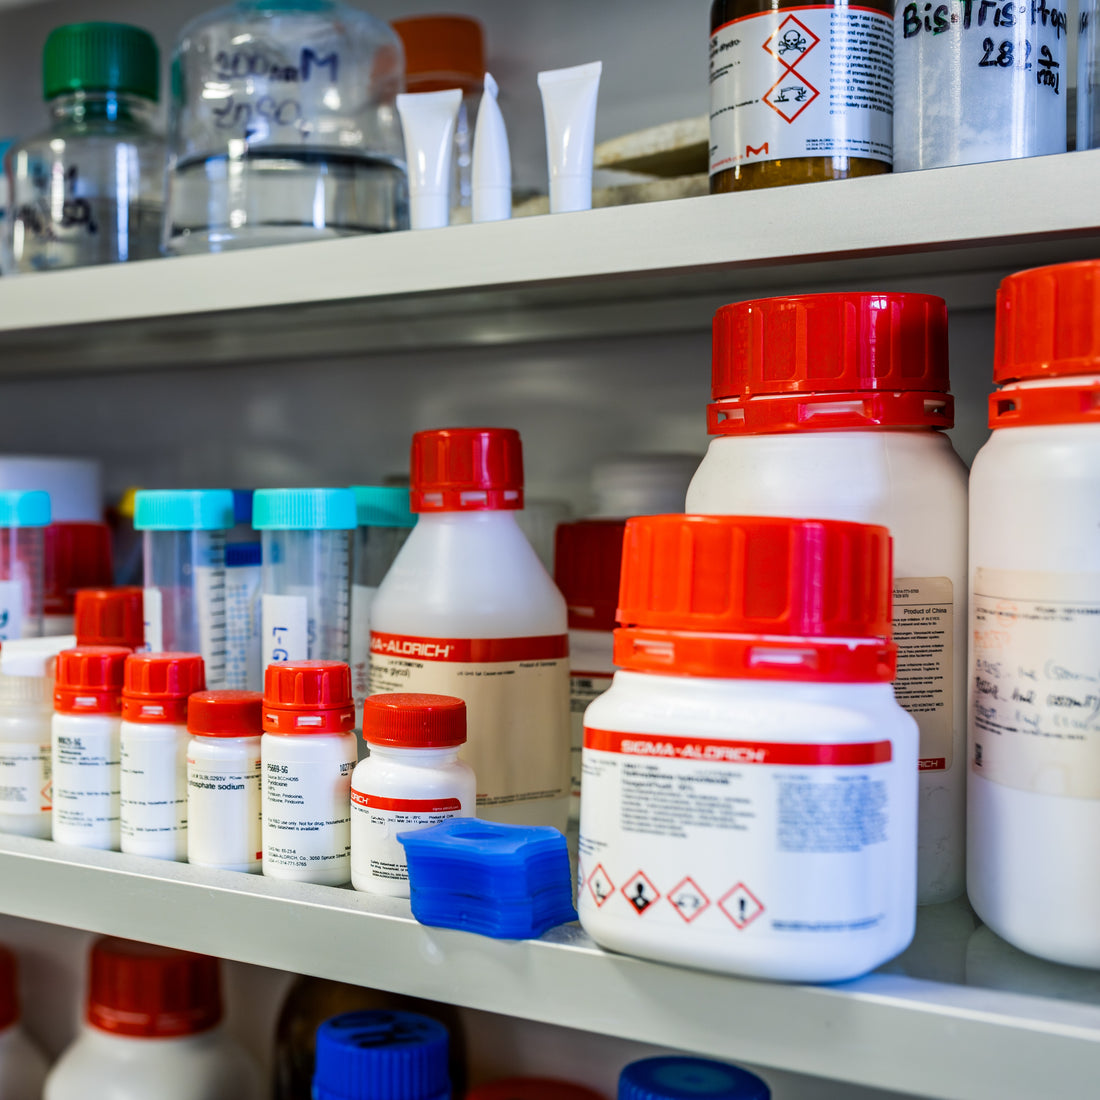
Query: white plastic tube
(569, 107)
(428, 121)
(492, 168)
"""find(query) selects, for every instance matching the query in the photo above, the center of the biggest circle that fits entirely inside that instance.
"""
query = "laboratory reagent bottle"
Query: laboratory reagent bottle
(22, 1064)
(835, 406)
(24, 516)
(87, 716)
(1034, 765)
(153, 753)
(77, 555)
(110, 616)
(307, 754)
(750, 782)
(468, 609)
(678, 1078)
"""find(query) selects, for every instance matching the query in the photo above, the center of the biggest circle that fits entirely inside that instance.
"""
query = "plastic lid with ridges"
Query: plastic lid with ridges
(414, 721)
(77, 555)
(588, 557)
(24, 508)
(183, 510)
(225, 714)
(142, 991)
(308, 697)
(675, 1078)
(89, 680)
(101, 57)
(304, 510)
(111, 617)
(383, 506)
(442, 52)
(9, 988)
(27, 670)
(466, 469)
(156, 686)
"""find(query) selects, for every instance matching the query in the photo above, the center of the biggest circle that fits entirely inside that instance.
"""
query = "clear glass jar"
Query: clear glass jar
(89, 190)
(284, 127)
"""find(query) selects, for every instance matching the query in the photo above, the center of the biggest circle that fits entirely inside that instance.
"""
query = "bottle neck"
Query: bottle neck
(83, 108)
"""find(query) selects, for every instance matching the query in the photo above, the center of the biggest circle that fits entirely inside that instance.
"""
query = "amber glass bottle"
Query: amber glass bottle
(800, 92)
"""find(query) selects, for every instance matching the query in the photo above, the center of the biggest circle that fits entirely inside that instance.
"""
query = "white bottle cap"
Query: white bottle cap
(570, 193)
(430, 210)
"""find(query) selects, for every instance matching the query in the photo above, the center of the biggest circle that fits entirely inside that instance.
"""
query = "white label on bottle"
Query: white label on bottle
(584, 688)
(25, 786)
(1035, 690)
(517, 704)
(376, 823)
(243, 658)
(285, 629)
(924, 623)
(224, 816)
(153, 794)
(153, 605)
(362, 596)
(13, 599)
(813, 81)
(86, 769)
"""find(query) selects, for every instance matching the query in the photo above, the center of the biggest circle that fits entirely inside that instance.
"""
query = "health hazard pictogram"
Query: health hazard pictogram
(47, 796)
(792, 93)
(741, 905)
(600, 885)
(689, 899)
(641, 893)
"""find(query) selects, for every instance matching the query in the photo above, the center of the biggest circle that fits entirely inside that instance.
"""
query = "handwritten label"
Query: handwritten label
(285, 629)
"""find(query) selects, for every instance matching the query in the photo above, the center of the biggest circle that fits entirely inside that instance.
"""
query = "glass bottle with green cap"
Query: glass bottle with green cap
(306, 537)
(24, 516)
(89, 190)
(184, 543)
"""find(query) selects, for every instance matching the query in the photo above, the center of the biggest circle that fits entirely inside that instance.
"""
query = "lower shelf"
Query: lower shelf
(890, 1030)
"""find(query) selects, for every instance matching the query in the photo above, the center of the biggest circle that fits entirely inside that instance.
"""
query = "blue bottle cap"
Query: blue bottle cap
(383, 506)
(689, 1079)
(303, 510)
(24, 508)
(183, 510)
(242, 507)
(380, 1055)
(240, 554)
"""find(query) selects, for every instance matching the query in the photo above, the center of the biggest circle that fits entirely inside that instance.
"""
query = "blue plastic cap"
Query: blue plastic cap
(383, 506)
(689, 1079)
(380, 1055)
(242, 507)
(240, 554)
(24, 508)
(304, 510)
(183, 510)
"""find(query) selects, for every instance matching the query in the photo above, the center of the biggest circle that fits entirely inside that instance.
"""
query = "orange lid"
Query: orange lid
(308, 697)
(89, 679)
(442, 51)
(156, 686)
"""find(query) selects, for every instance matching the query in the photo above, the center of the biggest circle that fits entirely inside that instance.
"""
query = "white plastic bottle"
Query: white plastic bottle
(750, 781)
(832, 406)
(153, 753)
(224, 819)
(152, 1030)
(87, 715)
(308, 753)
(411, 780)
(587, 563)
(26, 713)
(1034, 766)
(468, 609)
(647, 484)
(22, 1065)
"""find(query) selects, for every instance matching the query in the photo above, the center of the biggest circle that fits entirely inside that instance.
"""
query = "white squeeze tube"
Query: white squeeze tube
(569, 106)
(492, 167)
(428, 120)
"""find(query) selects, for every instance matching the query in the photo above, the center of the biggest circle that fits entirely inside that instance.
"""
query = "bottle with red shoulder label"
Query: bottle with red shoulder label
(467, 609)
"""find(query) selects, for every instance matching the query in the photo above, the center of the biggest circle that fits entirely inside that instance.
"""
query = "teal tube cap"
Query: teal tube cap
(183, 510)
(29, 508)
(382, 506)
(304, 510)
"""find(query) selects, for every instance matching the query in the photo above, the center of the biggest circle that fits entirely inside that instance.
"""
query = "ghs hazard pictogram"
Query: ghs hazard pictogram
(741, 906)
(792, 93)
(689, 899)
(641, 893)
(600, 886)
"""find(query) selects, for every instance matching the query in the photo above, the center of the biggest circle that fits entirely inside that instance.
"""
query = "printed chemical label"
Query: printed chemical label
(224, 815)
(376, 822)
(25, 783)
(814, 81)
(725, 834)
(153, 792)
(517, 702)
(86, 769)
(1035, 688)
(285, 629)
(584, 687)
(13, 600)
(924, 623)
(362, 596)
(153, 607)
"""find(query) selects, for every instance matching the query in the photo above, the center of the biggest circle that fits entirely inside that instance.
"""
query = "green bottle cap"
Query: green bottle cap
(101, 57)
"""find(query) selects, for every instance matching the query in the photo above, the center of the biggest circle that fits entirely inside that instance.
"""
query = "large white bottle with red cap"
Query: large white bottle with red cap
(1034, 775)
(22, 1066)
(833, 406)
(467, 609)
(152, 1030)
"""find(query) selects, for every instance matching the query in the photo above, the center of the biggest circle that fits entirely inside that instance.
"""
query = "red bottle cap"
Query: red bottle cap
(467, 470)
(442, 52)
(225, 714)
(156, 686)
(828, 362)
(588, 559)
(308, 697)
(89, 680)
(414, 721)
(110, 616)
(9, 989)
(77, 555)
(758, 598)
(532, 1088)
(152, 992)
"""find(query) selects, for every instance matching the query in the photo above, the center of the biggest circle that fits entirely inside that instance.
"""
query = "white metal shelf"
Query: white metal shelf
(657, 267)
(886, 1030)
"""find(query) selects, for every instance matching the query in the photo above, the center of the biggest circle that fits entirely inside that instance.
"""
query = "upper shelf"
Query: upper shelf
(636, 269)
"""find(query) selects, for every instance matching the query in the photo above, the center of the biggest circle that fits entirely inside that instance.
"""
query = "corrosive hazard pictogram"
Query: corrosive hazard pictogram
(600, 885)
(792, 93)
(47, 796)
(641, 893)
(741, 905)
(689, 899)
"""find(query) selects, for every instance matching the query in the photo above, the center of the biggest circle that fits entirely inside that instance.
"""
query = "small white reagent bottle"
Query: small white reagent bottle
(22, 1065)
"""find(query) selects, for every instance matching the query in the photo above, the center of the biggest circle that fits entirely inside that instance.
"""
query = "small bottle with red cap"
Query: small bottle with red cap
(412, 779)
(110, 616)
(224, 794)
(87, 702)
(1034, 774)
(750, 781)
(468, 609)
(22, 1064)
(153, 752)
(307, 755)
(152, 1028)
(835, 406)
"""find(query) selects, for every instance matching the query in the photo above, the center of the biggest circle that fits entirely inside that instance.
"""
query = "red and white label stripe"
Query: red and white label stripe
(482, 651)
(406, 805)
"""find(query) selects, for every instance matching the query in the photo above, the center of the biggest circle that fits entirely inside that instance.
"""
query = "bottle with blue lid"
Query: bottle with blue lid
(24, 516)
(676, 1078)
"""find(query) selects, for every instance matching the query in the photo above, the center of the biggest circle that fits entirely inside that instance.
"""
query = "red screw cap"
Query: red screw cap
(89, 680)
(110, 616)
(308, 697)
(9, 989)
(225, 714)
(414, 721)
(77, 555)
(152, 992)
(467, 470)
(157, 685)
(588, 557)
